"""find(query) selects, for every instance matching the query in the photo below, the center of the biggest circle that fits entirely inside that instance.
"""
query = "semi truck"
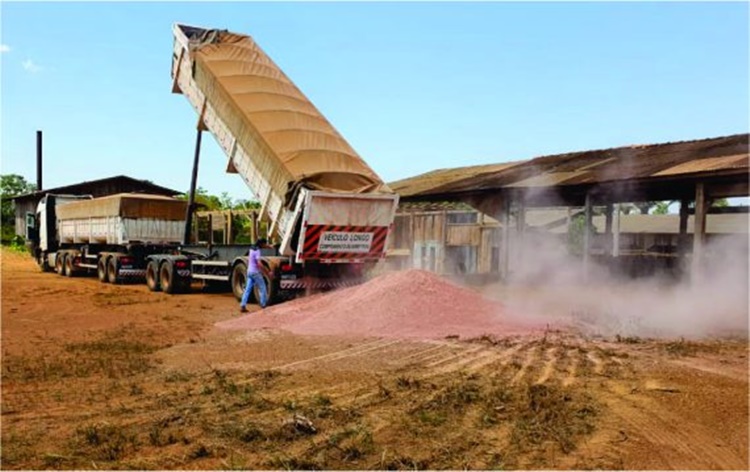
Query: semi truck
(111, 235)
(330, 214)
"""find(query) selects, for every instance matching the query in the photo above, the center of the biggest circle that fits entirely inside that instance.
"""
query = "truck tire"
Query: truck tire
(152, 276)
(101, 270)
(270, 290)
(167, 278)
(68, 269)
(239, 279)
(112, 269)
(60, 263)
(43, 262)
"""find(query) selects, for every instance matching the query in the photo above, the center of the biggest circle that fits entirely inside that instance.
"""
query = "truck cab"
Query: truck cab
(41, 229)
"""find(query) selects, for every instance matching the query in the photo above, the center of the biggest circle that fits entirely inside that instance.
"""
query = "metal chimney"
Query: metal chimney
(39, 160)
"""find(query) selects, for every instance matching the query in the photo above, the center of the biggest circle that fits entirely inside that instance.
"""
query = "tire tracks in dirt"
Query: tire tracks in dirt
(344, 354)
(680, 443)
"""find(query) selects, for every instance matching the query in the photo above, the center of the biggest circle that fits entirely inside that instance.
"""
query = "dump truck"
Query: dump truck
(111, 235)
(330, 214)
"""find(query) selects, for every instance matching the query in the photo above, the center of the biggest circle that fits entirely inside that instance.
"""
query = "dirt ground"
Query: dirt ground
(115, 377)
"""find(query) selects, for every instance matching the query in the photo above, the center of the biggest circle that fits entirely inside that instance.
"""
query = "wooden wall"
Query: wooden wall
(445, 241)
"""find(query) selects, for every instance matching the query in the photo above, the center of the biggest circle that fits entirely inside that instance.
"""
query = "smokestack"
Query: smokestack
(38, 160)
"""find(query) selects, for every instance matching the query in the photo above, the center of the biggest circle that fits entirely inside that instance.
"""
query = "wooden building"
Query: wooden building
(446, 238)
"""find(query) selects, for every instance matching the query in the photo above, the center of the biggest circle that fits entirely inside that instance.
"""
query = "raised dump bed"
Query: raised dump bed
(126, 218)
(274, 137)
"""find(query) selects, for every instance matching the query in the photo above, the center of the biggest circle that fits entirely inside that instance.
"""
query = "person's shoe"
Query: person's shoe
(243, 309)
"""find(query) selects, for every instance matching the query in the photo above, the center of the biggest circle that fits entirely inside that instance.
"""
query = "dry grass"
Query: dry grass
(139, 415)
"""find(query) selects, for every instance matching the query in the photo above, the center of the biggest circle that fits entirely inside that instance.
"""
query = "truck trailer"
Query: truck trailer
(112, 235)
(330, 213)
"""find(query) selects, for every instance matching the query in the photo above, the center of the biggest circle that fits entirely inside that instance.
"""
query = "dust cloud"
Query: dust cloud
(547, 282)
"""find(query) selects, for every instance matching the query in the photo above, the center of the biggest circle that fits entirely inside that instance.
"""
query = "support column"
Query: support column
(699, 231)
(682, 242)
(587, 237)
(505, 248)
(608, 215)
(520, 230)
(229, 237)
(412, 249)
(616, 232)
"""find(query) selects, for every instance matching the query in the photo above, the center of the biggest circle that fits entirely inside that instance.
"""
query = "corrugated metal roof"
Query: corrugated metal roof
(727, 154)
(711, 163)
(91, 187)
(424, 183)
(407, 206)
(546, 180)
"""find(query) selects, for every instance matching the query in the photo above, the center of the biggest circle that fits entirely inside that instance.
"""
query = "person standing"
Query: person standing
(254, 276)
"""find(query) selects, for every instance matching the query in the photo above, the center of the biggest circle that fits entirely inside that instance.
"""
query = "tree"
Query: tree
(662, 208)
(208, 202)
(11, 185)
(241, 224)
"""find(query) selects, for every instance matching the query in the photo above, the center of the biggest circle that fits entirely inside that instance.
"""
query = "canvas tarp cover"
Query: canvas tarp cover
(125, 205)
(295, 145)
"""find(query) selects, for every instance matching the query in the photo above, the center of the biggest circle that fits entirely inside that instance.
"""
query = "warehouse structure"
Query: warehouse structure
(693, 173)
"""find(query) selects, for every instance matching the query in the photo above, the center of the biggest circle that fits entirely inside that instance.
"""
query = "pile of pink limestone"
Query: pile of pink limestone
(407, 304)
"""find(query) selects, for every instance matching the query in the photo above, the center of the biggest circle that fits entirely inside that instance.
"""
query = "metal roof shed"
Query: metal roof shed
(687, 171)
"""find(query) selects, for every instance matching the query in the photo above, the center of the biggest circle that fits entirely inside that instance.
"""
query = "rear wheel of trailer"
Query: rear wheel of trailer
(101, 270)
(168, 278)
(59, 263)
(68, 267)
(112, 271)
(152, 276)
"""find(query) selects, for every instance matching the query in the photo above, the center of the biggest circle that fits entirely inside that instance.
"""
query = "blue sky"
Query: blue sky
(412, 86)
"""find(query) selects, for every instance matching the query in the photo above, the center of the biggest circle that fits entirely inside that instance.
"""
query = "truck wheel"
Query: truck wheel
(270, 290)
(101, 270)
(68, 269)
(43, 262)
(166, 276)
(152, 276)
(112, 270)
(60, 263)
(239, 279)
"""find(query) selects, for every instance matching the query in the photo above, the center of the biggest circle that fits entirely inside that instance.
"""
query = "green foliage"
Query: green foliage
(662, 208)
(241, 231)
(576, 232)
(208, 202)
(11, 185)
(720, 203)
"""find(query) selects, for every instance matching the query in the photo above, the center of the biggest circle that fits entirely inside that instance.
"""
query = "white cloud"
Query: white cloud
(29, 66)
(4, 48)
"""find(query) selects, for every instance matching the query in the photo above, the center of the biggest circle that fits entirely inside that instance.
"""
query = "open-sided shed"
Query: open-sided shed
(691, 172)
